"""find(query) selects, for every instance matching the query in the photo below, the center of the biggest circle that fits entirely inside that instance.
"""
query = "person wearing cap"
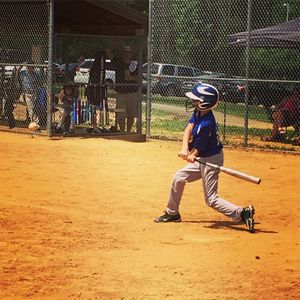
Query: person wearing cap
(201, 140)
(31, 82)
(126, 88)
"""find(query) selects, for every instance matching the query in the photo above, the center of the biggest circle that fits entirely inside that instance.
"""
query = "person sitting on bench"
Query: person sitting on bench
(287, 113)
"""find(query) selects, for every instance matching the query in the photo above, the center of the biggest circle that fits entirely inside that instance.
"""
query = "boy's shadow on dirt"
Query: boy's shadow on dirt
(214, 224)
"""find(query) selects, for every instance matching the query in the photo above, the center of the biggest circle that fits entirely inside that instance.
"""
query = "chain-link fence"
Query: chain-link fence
(254, 70)
(80, 68)
(247, 49)
(68, 83)
(23, 64)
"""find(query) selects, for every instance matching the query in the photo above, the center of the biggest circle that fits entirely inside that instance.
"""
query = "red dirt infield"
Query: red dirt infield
(77, 223)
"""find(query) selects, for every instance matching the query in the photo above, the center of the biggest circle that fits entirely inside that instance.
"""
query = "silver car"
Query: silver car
(168, 79)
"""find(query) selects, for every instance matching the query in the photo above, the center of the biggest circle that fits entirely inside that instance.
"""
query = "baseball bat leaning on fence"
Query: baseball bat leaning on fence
(231, 172)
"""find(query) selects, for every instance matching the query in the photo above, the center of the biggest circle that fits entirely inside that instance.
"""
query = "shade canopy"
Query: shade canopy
(283, 35)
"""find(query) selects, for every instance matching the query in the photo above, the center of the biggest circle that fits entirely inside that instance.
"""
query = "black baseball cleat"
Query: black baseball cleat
(247, 217)
(168, 218)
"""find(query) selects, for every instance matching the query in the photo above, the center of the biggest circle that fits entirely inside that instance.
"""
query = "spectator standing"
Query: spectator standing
(127, 91)
(96, 80)
(96, 90)
(31, 82)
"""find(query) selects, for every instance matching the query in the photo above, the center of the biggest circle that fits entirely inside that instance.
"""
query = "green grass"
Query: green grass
(235, 130)
(169, 125)
(165, 125)
(175, 101)
(254, 112)
(179, 126)
(165, 121)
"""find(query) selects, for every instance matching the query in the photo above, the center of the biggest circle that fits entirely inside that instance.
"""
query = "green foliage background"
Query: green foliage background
(195, 33)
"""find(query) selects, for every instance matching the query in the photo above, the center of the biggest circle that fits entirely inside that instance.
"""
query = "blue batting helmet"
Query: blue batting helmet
(204, 96)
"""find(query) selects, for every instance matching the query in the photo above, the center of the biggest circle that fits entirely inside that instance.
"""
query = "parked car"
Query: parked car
(232, 89)
(167, 79)
(213, 78)
(83, 72)
(260, 92)
(9, 70)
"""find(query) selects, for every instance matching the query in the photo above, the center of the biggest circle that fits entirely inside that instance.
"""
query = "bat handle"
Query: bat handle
(207, 163)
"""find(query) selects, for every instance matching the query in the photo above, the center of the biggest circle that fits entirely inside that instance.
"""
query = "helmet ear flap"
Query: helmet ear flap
(199, 105)
(191, 104)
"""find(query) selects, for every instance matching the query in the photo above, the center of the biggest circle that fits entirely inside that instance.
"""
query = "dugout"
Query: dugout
(52, 32)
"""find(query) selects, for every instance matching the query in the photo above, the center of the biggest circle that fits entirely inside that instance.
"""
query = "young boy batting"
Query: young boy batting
(200, 139)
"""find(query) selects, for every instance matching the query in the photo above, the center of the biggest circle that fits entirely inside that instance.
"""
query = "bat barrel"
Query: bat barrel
(232, 172)
(241, 175)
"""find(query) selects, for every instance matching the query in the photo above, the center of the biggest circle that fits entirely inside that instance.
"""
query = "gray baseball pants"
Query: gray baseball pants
(194, 171)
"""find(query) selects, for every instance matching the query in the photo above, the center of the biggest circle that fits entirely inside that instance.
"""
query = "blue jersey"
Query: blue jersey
(205, 137)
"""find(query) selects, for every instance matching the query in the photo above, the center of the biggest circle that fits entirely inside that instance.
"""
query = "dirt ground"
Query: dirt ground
(77, 223)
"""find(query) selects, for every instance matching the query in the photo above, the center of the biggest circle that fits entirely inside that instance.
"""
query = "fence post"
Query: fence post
(140, 90)
(50, 66)
(149, 63)
(247, 74)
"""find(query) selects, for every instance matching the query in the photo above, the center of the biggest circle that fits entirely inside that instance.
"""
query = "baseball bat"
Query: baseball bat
(231, 172)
